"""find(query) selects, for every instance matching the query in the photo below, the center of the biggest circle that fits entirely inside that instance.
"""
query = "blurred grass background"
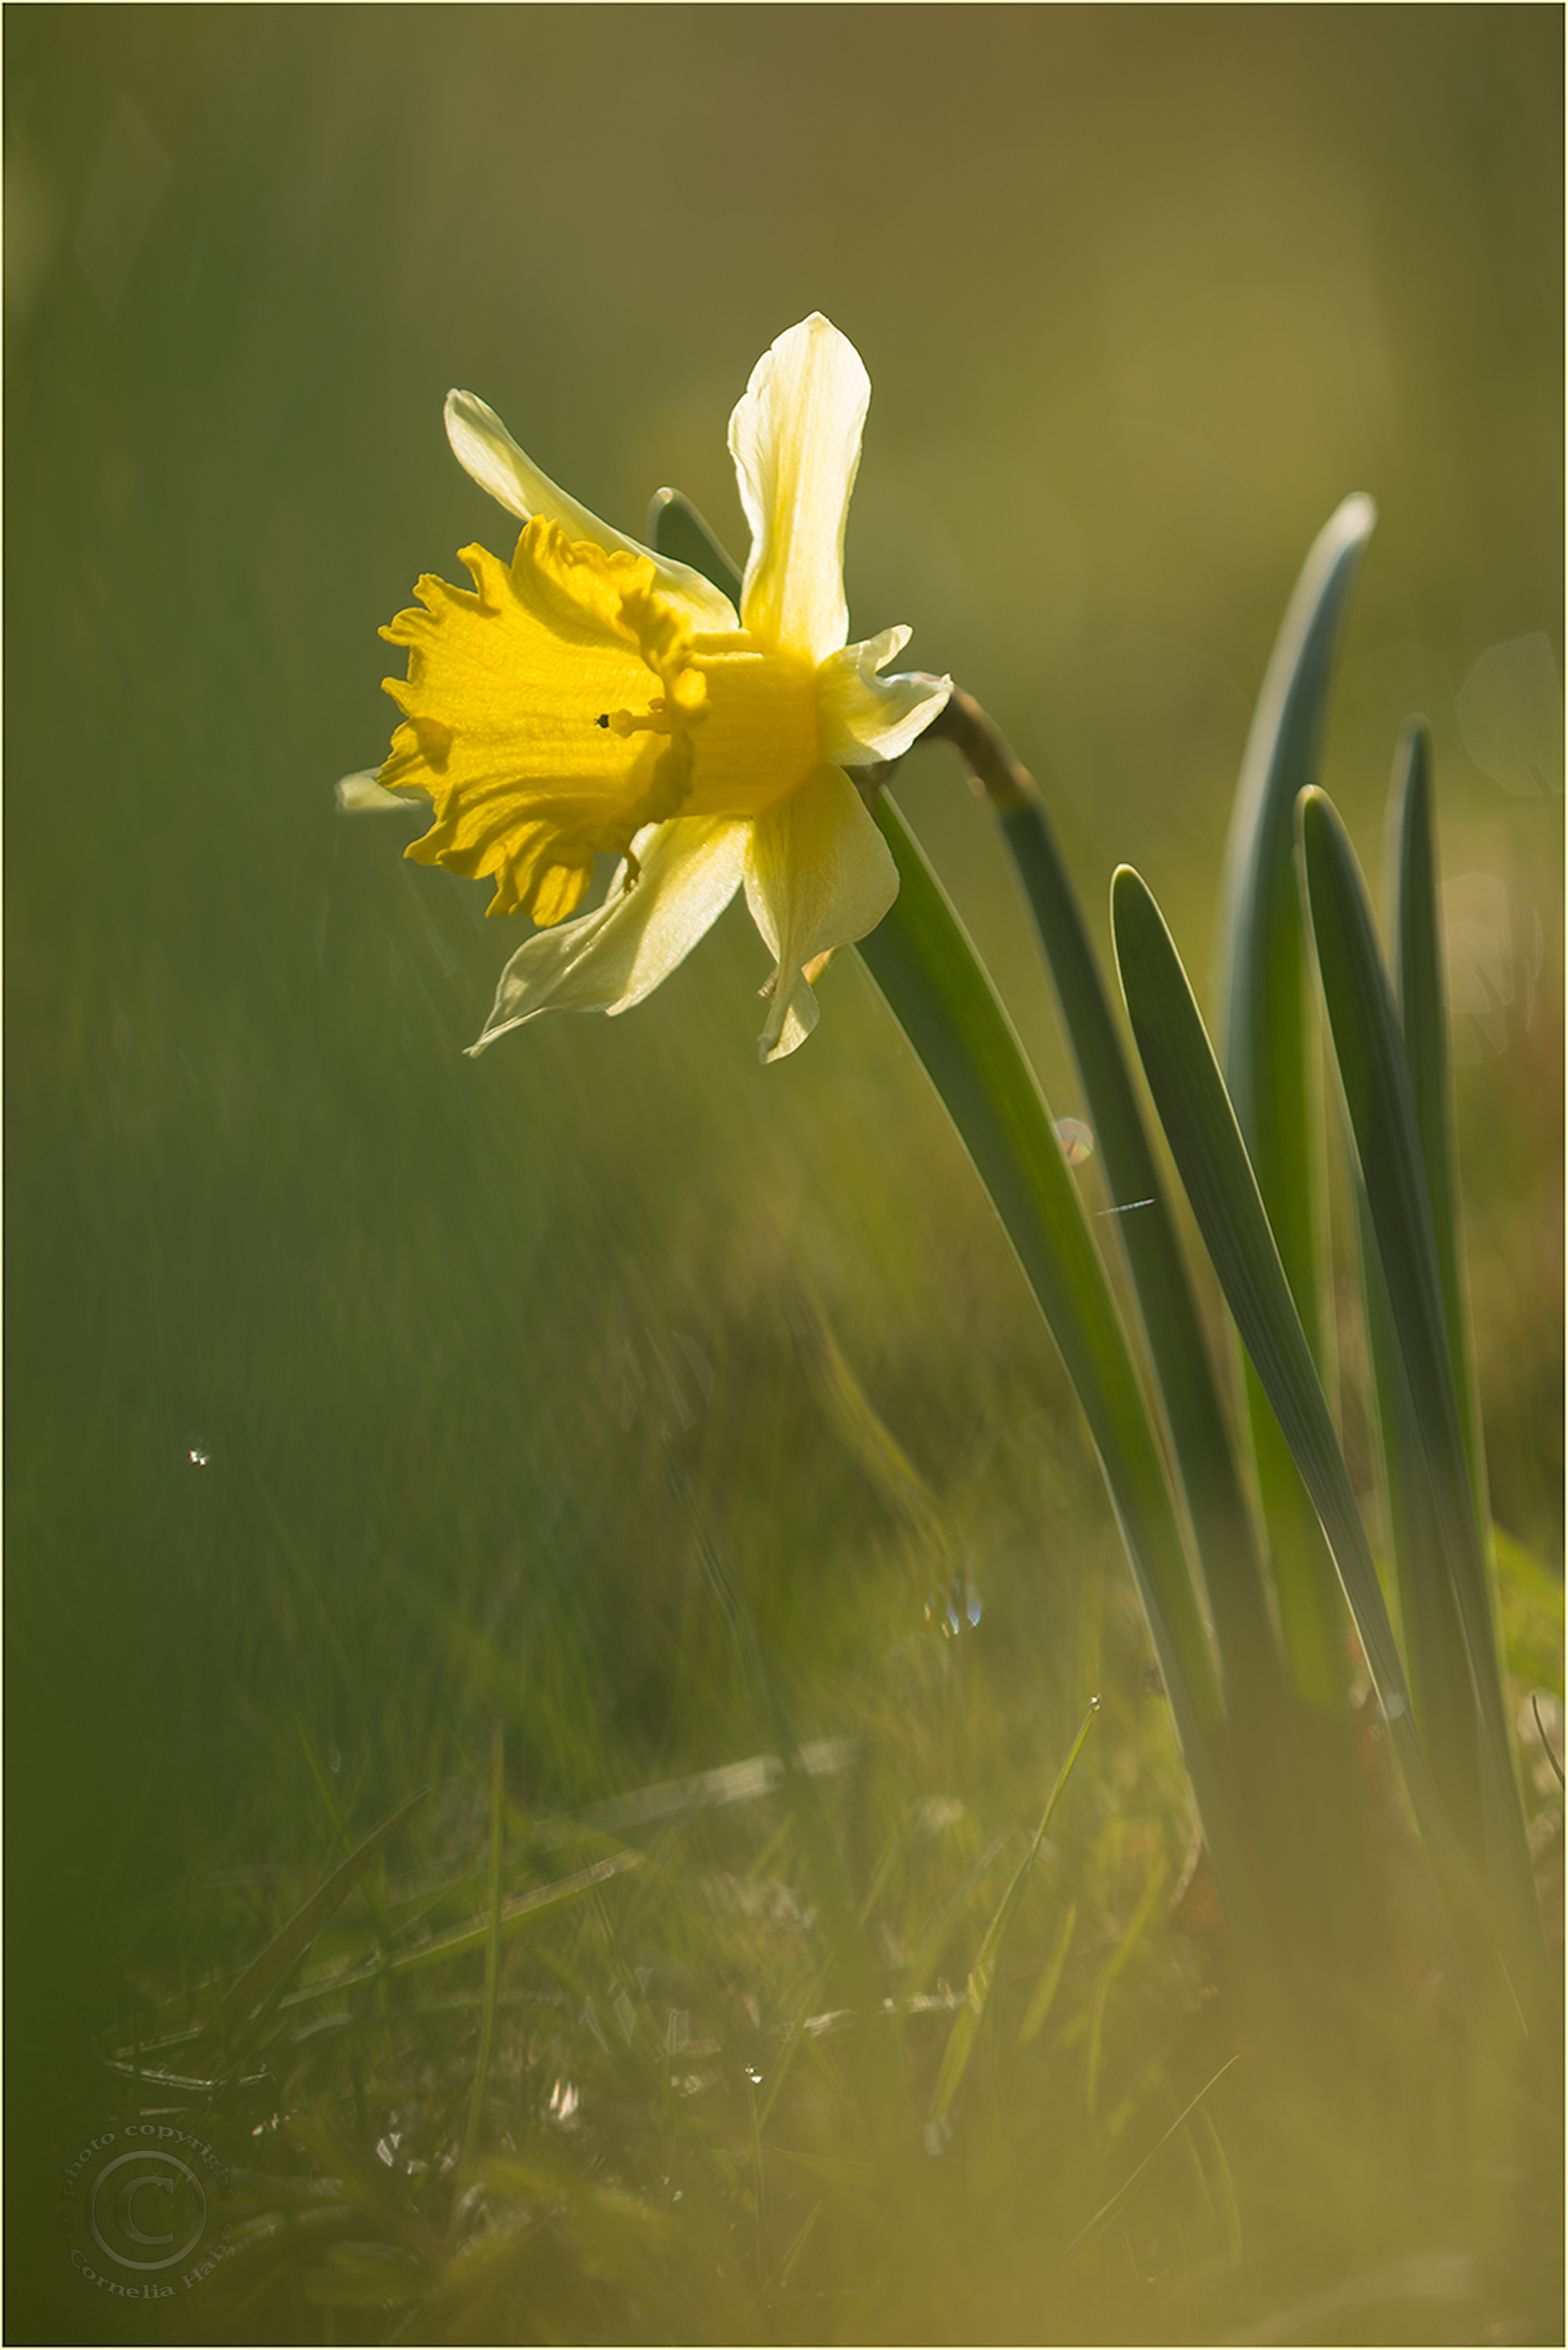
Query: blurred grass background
(1142, 293)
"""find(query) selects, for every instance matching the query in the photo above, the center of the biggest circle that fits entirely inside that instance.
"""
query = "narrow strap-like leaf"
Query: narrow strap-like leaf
(677, 529)
(1436, 1656)
(1376, 1082)
(930, 976)
(937, 987)
(1206, 1142)
(1269, 1070)
(1434, 1646)
(1266, 1052)
(1417, 955)
(1200, 1439)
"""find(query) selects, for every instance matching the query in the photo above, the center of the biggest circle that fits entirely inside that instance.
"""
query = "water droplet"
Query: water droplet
(1094, 1705)
(1076, 1140)
(198, 1456)
(753, 2074)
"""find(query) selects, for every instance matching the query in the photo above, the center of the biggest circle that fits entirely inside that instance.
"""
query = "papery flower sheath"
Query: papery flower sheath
(595, 697)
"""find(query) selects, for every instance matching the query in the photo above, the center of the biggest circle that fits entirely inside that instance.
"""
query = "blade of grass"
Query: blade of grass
(560, 1894)
(330, 1804)
(1133, 1934)
(1108, 2210)
(788, 2265)
(1044, 1994)
(375, 1891)
(1272, 1080)
(852, 1962)
(778, 2071)
(294, 1938)
(1376, 1081)
(983, 1975)
(933, 1935)
(250, 2035)
(862, 1427)
(491, 1947)
(300, 1568)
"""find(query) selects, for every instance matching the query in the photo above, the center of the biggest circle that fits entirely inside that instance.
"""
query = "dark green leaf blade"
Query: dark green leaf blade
(1423, 1015)
(1206, 1142)
(1266, 1061)
(1269, 1071)
(1376, 1081)
(1436, 1655)
(932, 978)
(926, 967)
(677, 529)
(1200, 1439)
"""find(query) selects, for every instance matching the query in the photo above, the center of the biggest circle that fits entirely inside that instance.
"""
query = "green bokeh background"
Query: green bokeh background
(1143, 293)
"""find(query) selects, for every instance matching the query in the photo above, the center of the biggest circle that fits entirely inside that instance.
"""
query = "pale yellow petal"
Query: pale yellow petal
(484, 447)
(609, 959)
(795, 439)
(818, 874)
(360, 794)
(864, 717)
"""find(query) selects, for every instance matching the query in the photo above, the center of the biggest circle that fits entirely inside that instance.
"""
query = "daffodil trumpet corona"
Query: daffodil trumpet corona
(595, 697)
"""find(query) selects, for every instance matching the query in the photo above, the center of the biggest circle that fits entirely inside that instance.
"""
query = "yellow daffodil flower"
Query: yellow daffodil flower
(597, 697)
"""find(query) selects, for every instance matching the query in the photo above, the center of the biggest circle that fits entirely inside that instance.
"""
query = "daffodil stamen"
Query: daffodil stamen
(654, 720)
